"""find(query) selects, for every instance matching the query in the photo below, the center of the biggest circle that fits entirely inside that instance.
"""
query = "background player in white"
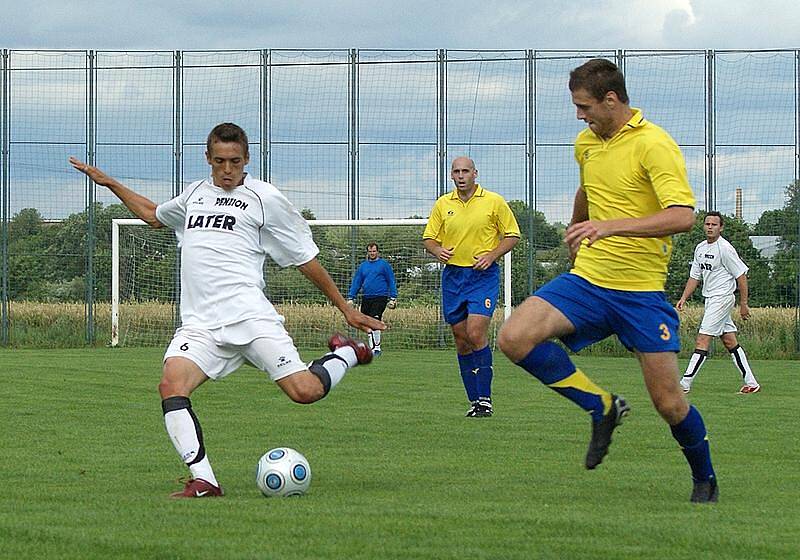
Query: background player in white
(226, 225)
(718, 265)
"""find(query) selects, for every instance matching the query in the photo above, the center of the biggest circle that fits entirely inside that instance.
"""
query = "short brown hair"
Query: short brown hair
(718, 215)
(599, 76)
(228, 132)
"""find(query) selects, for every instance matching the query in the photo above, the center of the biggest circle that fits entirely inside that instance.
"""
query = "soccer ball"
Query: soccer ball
(283, 472)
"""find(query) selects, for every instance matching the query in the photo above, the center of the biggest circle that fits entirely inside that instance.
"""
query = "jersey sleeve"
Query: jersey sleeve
(285, 235)
(666, 168)
(732, 262)
(172, 213)
(358, 280)
(433, 229)
(507, 222)
(390, 280)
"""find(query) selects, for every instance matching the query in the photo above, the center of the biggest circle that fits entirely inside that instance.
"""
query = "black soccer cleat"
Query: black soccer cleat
(602, 430)
(705, 492)
(484, 408)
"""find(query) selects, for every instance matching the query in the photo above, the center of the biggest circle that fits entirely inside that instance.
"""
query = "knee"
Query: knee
(513, 343)
(168, 387)
(477, 341)
(672, 408)
(306, 393)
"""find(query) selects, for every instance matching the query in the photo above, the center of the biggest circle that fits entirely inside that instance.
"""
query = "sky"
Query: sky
(486, 102)
(403, 24)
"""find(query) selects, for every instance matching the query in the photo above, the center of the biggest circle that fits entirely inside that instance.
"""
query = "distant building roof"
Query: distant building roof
(767, 245)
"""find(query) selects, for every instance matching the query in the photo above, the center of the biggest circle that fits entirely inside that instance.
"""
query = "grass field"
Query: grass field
(398, 472)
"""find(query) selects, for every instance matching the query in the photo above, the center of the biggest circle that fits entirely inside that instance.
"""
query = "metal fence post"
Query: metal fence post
(711, 150)
(797, 180)
(177, 176)
(264, 145)
(353, 135)
(441, 148)
(91, 157)
(530, 150)
(441, 123)
(4, 195)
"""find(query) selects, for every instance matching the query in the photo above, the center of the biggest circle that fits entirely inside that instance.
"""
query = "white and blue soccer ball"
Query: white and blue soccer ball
(283, 471)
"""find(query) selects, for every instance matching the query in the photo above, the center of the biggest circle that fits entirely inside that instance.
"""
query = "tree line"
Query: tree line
(47, 260)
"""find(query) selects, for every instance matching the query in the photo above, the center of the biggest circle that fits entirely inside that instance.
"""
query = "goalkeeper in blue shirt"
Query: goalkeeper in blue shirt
(374, 278)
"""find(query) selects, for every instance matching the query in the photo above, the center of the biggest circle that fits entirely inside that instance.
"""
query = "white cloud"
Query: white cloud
(468, 24)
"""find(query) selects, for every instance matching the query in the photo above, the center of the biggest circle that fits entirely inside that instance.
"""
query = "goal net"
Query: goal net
(146, 285)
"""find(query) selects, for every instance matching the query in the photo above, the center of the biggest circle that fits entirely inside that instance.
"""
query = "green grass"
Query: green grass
(398, 472)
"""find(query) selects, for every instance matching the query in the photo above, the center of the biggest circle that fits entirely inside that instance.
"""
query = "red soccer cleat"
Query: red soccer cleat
(363, 352)
(198, 488)
(748, 389)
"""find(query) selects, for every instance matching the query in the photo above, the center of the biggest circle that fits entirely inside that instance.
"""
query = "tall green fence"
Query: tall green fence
(360, 134)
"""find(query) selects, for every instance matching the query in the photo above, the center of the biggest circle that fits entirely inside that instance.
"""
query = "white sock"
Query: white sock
(375, 340)
(337, 368)
(695, 363)
(183, 433)
(740, 361)
(202, 469)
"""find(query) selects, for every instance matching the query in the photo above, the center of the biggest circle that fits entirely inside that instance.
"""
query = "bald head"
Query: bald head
(463, 162)
(463, 174)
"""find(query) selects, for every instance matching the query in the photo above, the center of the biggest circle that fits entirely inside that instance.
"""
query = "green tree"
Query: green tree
(784, 222)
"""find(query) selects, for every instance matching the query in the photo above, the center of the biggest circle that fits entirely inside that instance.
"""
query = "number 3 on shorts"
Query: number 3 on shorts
(665, 334)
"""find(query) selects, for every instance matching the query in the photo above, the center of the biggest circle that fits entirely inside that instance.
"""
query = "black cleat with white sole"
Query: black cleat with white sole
(602, 430)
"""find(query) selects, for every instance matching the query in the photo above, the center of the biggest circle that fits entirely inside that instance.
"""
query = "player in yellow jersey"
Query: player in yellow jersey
(633, 195)
(468, 230)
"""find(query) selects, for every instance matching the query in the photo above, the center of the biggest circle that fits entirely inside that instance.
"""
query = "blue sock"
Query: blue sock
(690, 433)
(483, 361)
(466, 364)
(550, 364)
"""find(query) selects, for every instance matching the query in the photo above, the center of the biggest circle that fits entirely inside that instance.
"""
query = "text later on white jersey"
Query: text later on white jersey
(223, 238)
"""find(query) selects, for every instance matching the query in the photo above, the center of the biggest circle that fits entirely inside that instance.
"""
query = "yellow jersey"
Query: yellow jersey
(473, 227)
(638, 172)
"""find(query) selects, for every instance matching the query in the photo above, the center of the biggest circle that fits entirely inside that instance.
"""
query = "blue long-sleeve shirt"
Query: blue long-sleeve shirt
(373, 278)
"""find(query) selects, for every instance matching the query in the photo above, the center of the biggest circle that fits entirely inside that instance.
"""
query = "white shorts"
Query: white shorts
(717, 317)
(218, 352)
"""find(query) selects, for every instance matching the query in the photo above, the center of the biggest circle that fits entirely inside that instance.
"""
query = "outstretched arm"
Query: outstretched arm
(140, 205)
(318, 276)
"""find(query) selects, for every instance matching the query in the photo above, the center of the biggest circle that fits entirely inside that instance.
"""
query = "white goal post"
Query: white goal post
(144, 279)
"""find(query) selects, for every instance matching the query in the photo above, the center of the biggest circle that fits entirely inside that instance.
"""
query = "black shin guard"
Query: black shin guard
(317, 367)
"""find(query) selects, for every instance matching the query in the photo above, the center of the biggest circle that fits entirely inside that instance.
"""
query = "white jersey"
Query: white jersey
(223, 237)
(718, 266)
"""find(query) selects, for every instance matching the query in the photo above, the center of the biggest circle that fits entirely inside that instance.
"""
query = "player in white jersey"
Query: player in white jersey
(226, 225)
(718, 265)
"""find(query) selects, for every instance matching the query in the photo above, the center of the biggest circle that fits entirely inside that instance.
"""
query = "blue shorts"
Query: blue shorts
(642, 321)
(466, 291)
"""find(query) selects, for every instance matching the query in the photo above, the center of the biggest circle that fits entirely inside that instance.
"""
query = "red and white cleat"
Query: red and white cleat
(363, 352)
(747, 389)
(198, 488)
